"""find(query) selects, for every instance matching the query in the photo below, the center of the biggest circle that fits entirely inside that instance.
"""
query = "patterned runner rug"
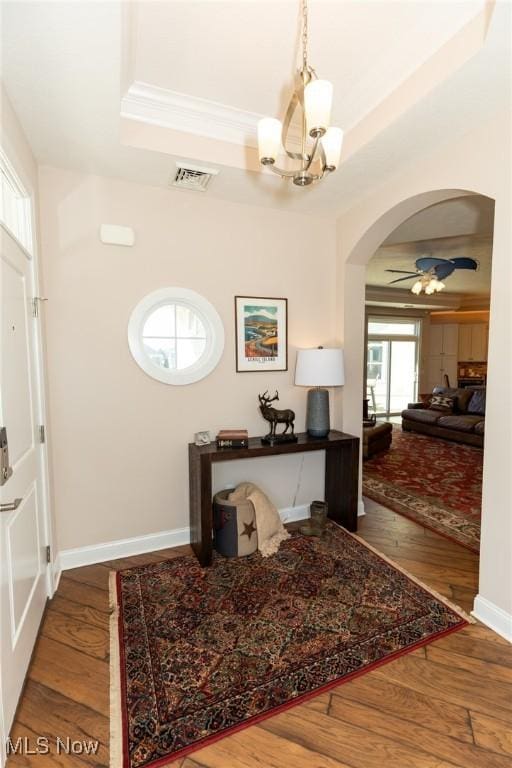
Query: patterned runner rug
(435, 482)
(197, 653)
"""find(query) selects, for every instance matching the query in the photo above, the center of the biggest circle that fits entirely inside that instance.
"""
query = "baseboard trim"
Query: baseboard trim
(113, 550)
(292, 514)
(57, 573)
(360, 508)
(138, 545)
(493, 617)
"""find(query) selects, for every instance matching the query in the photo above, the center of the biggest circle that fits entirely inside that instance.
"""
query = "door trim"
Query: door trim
(40, 394)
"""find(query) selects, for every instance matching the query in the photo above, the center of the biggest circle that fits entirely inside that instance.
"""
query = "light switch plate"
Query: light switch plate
(114, 234)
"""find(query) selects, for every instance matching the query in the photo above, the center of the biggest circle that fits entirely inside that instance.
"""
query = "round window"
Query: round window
(176, 335)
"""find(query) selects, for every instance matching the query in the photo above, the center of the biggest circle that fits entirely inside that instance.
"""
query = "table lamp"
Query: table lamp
(319, 368)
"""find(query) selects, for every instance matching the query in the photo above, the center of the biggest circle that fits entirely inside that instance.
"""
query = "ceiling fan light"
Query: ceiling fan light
(332, 142)
(317, 105)
(416, 289)
(269, 139)
(439, 285)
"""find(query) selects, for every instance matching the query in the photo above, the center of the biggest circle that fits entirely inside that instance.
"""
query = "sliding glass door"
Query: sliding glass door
(392, 364)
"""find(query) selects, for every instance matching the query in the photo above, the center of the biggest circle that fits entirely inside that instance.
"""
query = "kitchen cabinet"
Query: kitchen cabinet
(473, 342)
(442, 356)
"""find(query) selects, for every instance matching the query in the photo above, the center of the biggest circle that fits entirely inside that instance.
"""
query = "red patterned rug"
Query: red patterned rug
(435, 482)
(197, 653)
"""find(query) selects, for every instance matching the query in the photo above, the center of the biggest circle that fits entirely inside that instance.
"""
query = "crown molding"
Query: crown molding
(190, 114)
(398, 297)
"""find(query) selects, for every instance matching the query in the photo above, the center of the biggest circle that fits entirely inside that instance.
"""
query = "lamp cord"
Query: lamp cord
(299, 480)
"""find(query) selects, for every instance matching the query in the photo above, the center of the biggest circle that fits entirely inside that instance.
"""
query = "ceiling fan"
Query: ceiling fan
(431, 271)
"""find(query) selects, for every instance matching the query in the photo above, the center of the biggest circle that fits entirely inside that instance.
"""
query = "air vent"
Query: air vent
(193, 177)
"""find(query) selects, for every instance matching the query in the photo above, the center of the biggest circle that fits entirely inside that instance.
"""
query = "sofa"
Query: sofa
(463, 422)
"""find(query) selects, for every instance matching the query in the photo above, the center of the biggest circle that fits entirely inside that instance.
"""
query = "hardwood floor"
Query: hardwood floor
(444, 705)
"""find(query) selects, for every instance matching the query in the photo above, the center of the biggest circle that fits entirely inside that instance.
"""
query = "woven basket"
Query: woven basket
(234, 526)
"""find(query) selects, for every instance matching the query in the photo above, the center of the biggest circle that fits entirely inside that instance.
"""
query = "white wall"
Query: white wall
(119, 438)
(480, 163)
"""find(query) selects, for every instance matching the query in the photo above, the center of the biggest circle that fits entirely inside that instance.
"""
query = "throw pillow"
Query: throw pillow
(443, 403)
(477, 402)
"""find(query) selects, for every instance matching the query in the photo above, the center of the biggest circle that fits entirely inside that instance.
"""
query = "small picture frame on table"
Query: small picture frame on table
(202, 438)
(261, 334)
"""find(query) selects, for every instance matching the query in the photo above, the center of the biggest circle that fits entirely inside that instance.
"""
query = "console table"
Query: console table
(341, 478)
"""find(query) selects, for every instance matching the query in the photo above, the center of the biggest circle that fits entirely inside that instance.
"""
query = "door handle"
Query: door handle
(11, 506)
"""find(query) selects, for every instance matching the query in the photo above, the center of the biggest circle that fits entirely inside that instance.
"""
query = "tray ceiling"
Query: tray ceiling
(68, 66)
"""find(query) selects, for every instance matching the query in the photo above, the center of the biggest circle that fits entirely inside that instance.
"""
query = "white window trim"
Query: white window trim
(17, 221)
(209, 316)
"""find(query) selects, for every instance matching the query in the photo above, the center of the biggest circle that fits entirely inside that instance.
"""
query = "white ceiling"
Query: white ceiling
(468, 215)
(63, 64)
(245, 54)
(458, 227)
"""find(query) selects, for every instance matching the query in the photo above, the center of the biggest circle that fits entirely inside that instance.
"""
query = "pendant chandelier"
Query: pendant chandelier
(319, 143)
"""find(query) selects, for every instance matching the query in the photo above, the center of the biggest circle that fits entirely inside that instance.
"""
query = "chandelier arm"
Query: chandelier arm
(292, 106)
(313, 153)
(281, 172)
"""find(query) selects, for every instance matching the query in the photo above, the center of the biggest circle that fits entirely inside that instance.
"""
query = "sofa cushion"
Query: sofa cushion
(421, 414)
(477, 402)
(480, 428)
(444, 403)
(462, 422)
(463, 396)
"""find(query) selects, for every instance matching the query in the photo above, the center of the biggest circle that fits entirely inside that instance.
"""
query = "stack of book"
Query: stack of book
(232, 438)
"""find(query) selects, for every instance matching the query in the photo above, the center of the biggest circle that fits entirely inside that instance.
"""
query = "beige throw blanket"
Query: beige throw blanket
(271, 531)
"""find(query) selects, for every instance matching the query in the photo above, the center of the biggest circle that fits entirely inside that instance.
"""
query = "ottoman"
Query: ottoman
(377, 438)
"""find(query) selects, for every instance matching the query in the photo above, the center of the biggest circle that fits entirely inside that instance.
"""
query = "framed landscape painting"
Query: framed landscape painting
(261, 334)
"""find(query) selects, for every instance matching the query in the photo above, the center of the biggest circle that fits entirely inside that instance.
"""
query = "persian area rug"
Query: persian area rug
(435, 482)
(197, 653)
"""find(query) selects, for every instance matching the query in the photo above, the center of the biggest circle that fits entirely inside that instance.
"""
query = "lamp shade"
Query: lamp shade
(319, 368)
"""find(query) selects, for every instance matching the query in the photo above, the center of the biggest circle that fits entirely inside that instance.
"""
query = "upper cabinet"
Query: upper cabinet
(443, 339)
(441, 358)
(473, 342)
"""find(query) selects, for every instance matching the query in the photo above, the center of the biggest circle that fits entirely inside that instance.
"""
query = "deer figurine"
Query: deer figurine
(275, 417)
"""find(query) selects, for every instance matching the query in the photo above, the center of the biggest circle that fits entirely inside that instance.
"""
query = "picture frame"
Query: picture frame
(202, 438)
(261, 334)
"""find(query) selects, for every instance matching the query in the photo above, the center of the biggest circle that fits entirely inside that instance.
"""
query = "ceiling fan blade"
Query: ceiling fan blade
(463, 262)
(399, 279)
(401, 271)
(427, 263)
(444, 270)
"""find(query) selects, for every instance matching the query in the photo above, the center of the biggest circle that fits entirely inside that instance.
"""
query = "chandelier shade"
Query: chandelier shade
(269, 139)
(317, 106)
(332, 142)
(316, 151)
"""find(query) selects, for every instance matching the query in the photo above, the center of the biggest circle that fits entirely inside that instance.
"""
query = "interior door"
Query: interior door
(23, 587)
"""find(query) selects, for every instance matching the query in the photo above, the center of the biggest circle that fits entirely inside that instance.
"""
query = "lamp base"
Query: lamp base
(317, 414)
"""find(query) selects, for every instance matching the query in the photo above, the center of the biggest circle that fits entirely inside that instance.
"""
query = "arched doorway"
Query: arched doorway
(355, 249)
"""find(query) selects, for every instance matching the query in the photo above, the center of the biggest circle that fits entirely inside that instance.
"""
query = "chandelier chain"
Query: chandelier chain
(305, 35)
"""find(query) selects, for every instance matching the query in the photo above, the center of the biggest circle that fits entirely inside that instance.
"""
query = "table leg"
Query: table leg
(201, 513)
(341, 482)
